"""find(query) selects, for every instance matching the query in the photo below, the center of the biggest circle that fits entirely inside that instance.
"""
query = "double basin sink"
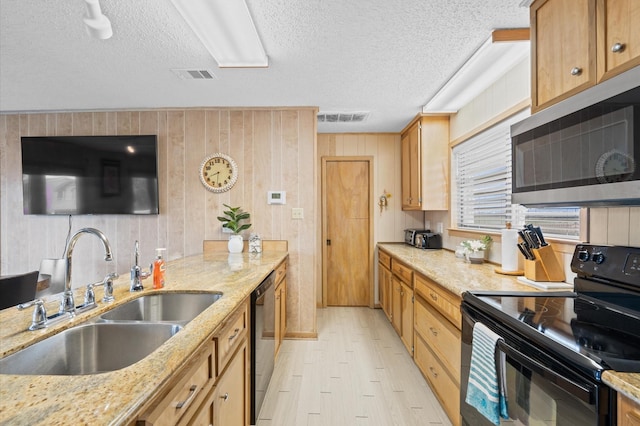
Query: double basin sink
(114, 340)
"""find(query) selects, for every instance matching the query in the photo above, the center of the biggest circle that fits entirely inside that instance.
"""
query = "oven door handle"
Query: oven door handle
(584, 393)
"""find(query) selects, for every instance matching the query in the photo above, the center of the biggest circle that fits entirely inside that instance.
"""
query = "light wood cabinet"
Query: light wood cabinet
(384, 282)
(618, 36)
(217, 374)
(437, 341)
(406, 301)
(410, 140)
(227, 402)
(402, 302)
(447, 390)
(179, 399)
(628, 412)
(280, 306)
(576, 44)
(428, 320)
(425, 163)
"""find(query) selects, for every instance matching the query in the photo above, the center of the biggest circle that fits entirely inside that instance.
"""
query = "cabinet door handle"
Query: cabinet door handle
(225, 396)
(237, 330)
(576, 71)
(618, 47)
(433, 372)
(433, 331)
(192, 393)
(434, 297)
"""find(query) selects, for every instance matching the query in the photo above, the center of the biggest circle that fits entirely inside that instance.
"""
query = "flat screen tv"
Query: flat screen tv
(75, 175)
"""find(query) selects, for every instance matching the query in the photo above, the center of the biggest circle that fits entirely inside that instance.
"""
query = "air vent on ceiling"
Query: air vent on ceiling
(342, 117)
(194, 74)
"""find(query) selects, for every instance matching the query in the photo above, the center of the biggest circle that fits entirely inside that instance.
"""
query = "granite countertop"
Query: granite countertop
(457, 276)
(116, 397)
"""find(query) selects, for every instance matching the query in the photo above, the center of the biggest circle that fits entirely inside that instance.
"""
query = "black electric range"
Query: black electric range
(596, 327)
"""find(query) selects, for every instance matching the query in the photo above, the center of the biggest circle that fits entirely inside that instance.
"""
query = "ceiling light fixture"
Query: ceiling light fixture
(497, 55)
(226, 29)
(98, 25)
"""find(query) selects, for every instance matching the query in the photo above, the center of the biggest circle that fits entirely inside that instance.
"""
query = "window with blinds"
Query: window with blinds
(481, 195)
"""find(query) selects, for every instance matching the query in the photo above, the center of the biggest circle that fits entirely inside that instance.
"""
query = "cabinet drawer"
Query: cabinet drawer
(384, 259)
(441, 336)
(446, 303)
(194, 383)
(281, 271)
(445, 388)
(226, 341)
(402, 271)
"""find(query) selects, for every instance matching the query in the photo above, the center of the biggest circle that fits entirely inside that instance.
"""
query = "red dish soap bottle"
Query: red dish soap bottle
(158, 270)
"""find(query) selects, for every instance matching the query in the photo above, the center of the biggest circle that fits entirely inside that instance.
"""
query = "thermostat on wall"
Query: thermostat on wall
(276, 197)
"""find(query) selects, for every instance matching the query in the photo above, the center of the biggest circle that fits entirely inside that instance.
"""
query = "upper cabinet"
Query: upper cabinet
(618, 36)
(425, 163)
(578, 43)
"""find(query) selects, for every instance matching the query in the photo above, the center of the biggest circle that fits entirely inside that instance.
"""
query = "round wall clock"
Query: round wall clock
(615, 166)
(218, 172)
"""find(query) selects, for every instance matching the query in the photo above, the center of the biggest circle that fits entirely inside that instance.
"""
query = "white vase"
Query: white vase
(476, 257)
(236, 243)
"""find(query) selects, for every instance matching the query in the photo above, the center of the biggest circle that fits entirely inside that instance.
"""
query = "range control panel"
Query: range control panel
(615, 263)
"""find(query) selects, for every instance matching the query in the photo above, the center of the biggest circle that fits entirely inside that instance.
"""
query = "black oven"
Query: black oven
(540, 387)
(556, 345)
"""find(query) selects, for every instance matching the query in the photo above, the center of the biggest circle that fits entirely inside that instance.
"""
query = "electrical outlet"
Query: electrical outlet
(440, 228)
(297, 213)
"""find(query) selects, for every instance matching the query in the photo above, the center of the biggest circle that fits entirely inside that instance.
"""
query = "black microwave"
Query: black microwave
(583, 151)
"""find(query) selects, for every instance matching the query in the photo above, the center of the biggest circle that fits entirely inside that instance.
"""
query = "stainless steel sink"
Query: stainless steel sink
(89, 349)
(177, 308)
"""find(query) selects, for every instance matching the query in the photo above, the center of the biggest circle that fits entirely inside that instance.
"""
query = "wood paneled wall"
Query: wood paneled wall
(390, 223)
(275, 150)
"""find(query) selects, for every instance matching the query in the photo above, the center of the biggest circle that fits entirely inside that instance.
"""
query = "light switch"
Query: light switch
(297, 213)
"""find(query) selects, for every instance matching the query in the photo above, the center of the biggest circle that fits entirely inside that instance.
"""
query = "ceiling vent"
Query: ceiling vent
(194, 74)
(342, 117)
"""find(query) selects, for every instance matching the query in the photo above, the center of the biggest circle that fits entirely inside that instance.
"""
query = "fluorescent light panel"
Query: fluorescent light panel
(226, 29)
(490, 62)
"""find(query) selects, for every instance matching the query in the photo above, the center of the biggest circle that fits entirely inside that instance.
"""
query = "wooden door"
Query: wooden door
(396, 304)
(406, 294)
(347, 254)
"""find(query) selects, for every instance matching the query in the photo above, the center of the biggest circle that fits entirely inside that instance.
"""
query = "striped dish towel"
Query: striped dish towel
(486, 388)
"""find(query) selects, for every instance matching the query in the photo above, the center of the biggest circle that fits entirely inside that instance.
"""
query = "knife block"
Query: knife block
(546, 266)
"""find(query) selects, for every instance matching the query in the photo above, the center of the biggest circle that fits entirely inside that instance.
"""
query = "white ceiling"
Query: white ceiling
(384, 56)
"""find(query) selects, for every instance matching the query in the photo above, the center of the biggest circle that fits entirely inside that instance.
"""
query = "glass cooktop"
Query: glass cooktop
(606, 333)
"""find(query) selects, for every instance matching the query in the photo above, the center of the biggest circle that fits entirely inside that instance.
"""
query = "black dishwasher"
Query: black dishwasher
(262, 342)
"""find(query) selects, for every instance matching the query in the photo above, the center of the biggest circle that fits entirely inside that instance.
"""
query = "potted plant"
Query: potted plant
(474, 250)
(232, 220)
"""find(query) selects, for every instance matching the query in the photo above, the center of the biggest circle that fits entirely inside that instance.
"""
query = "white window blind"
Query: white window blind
(482, 190)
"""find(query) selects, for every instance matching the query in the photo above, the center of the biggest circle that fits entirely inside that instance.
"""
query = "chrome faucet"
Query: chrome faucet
(68, 304)
(136, 271)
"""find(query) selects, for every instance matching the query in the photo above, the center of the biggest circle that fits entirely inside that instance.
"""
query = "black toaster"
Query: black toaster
(428, 240)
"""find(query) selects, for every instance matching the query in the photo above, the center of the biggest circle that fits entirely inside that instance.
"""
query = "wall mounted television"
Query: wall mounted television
(77, 175)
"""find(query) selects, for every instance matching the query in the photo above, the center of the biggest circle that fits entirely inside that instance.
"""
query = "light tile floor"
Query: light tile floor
(357, 373)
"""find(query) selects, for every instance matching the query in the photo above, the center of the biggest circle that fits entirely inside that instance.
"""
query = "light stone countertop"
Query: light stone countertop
(457, 276)
(117, 397)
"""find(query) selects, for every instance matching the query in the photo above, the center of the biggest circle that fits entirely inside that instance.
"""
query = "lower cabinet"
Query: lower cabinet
(384, 282)
(628, 412)
(226, 403)
(402, 302)
(280, 306)
(213, 387)
(437, 342)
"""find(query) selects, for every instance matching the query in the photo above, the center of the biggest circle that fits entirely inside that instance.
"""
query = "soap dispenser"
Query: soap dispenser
(157, 270)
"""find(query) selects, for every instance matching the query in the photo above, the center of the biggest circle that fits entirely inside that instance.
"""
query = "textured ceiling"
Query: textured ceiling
(384, 56)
